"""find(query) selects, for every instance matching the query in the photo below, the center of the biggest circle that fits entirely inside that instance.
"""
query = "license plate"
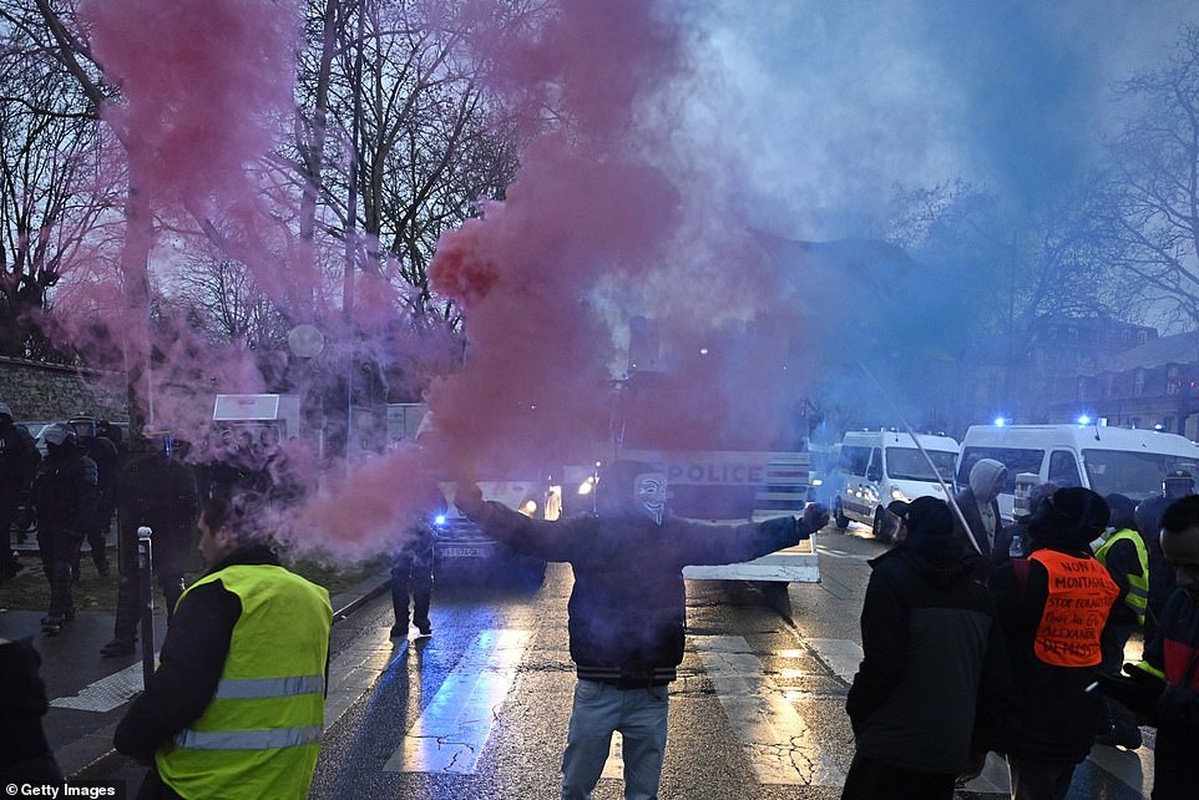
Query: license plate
(461, 552)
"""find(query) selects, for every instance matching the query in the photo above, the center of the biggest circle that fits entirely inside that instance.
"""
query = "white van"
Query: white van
(877, 467)
(1126, 461)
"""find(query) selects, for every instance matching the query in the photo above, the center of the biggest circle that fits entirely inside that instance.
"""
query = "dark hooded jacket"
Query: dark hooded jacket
(627, 610)
(934, 676)
(1059, 717)
(979, 540)
(25, 755)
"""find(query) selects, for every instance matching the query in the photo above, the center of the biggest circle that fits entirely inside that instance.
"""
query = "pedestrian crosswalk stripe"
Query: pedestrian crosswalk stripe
(451, 731)
(780, 746)
(107, 693)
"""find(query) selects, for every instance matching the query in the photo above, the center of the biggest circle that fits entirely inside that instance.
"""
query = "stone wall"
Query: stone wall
(38, 392)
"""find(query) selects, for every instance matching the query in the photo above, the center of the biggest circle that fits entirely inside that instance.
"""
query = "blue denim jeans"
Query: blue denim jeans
(639, 715)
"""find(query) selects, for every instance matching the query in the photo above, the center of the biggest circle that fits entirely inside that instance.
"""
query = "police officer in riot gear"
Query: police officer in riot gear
(1176, 484)
(104, 452)
(66, 493)
(18, 462)
(155, 489)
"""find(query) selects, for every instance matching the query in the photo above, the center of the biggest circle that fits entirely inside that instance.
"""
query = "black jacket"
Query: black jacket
(25, 755)
(933, 654)
(1175, 651)
(66, 492)
(19, 456)
(159, 492)
(628, 605)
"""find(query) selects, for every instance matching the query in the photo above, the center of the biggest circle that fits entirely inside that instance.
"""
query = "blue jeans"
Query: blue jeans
(639, 715)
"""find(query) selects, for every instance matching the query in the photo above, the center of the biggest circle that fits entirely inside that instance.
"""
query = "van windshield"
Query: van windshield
(1016, 460)
(1135, 475)
(909, 464)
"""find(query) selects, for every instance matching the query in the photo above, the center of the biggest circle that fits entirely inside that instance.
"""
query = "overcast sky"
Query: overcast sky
(828, 104)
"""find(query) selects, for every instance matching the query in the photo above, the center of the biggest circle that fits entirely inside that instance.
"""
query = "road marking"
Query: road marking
(842, 656)
(614, 766)
(107, 693)
(450, 733)
(357, 669)
(828, 551)
(777, 741)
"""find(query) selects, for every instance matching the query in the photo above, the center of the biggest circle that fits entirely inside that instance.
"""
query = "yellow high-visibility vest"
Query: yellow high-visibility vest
(1137, 598)
(260, 735)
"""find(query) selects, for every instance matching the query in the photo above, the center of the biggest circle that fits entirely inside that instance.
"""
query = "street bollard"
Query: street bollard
(145, 561)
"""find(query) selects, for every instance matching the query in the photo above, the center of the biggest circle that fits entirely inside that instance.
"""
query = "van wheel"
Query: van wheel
(882, 525)
(839, 517)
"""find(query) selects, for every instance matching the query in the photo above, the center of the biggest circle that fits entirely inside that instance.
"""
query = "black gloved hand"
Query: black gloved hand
(815, 517)
(1139, 692)
(469, 498)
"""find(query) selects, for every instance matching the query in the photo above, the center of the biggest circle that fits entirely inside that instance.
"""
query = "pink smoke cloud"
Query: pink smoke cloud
(203, 83)
(603, 222)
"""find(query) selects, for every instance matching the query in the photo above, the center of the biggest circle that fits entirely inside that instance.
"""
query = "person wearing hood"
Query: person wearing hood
(627, 608)
(1053, 606)
(979, 504)
(934, 681)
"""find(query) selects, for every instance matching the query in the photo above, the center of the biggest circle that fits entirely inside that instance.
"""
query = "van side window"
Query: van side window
(855, 459)
(874, 472)
(1063, 469)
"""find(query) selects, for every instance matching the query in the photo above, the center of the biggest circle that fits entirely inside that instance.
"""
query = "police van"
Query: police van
(880, 466)
(1107, 460)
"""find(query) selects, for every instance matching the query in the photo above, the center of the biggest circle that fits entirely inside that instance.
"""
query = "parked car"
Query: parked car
(464, 554)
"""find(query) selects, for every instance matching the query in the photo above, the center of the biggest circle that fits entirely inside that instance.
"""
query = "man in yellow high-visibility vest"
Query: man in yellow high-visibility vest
(1126, 558)
(236, 707)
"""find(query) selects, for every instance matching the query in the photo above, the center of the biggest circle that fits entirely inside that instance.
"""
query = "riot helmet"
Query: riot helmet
(85, 427)
(59, 437)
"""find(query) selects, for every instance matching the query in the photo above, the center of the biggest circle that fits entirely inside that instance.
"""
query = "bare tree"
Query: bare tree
(429, 142)
(52, 204)
(1153, 181)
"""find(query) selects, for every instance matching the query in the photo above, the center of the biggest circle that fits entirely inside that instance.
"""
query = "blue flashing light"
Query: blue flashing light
(1000, 422)
(1084, 419)
(439, 520)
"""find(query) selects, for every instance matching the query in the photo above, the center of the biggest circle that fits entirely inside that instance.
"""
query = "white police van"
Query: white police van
(1107, 460)
(878, 467)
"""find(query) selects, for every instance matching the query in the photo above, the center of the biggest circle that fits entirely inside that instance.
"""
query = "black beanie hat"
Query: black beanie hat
(1073, 517)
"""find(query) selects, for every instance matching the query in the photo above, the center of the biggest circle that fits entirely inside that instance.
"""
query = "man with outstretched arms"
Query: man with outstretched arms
(627, 610)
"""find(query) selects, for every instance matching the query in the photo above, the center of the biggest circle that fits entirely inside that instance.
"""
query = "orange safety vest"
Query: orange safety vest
(1081, 594)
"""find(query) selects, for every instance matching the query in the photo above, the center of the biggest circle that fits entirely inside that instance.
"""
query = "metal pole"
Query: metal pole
(145, 562)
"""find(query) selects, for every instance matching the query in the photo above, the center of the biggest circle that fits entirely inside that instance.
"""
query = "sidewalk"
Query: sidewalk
(88, 693)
